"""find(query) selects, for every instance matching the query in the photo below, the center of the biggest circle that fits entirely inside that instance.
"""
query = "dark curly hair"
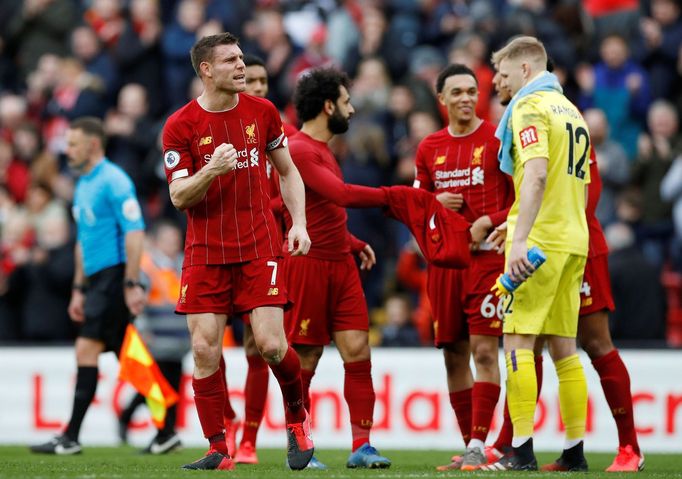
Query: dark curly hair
(316, 86)
(452, 70)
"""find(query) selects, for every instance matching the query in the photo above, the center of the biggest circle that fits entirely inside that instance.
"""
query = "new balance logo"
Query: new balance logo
(273, 291)
(207, 140)
(528, 136)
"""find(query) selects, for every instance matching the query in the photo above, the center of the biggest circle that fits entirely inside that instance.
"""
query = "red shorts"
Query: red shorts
(327, 296)
(458, 294)
(232, 288)
(595, 292)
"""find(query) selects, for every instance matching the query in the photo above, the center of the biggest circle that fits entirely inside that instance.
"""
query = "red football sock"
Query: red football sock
(255, 395)
(615, 381)
(288, 375)
(228, 412)
(209, 398)
(484, 398)
(306, 379)
(461, 404)
(359, 393)
(504, 438)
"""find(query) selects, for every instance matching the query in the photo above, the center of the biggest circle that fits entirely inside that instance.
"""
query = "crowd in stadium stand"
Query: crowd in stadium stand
(127, 61)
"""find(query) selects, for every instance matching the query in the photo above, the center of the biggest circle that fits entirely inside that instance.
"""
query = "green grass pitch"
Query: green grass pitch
(125, 462)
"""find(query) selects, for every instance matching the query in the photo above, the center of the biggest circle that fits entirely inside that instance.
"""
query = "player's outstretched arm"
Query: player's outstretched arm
(530, 198)
(331, 187)
(293, 194)
(186, 192)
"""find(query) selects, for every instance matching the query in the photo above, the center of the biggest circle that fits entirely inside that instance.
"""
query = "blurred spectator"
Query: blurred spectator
(613, 16)
(43, 165)
(401, 102)
(343, 30)
(619, 87)
(40, 85)
(177, 40)
(164, 332)
(270, 41)
(13, 110)
(41, 281)
(366, 162)
(371, 89)
(613, 164)
(411, 274)
(444, 19)
(39, 27)
(398, 331)
(375, 41)
(656, 153)
(105, 18)
(131, 133)
(138, 51)
(14, 174)
(637, 316)
(87, 48)
(671, 191)
(660, 48)
(534, 17)
(10, 326)
(77, 93)
(425, 64)
(42, 206)
(313, 56)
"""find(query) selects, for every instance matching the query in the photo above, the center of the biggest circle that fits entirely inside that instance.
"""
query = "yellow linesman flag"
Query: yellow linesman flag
(139, 369)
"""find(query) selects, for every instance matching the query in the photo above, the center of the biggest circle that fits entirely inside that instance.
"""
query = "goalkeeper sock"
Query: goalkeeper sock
(504, 438)
(521, 391)
(572, 395)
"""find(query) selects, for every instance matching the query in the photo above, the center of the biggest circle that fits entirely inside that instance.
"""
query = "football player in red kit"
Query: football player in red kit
(325, 288)
(459, 164)
(215, 154)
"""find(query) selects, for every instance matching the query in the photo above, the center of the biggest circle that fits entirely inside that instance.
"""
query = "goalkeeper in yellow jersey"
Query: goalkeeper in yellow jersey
(545, 147)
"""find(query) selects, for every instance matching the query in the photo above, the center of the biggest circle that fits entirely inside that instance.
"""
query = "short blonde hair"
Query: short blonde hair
(527, 48)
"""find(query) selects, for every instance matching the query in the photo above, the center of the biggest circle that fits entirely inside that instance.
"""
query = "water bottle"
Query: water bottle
(504, 283)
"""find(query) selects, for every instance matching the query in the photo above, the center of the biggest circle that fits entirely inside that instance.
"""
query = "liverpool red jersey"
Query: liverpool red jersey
(467, 165)
(326, 197)
(233, 223)
(598, 243)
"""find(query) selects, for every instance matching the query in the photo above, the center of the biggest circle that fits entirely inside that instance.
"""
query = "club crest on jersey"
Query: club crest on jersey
(250, 131)
(171, 158)
(477, 158)
(305, 323)
(207, 140)
(183, 294)
(440, 160)
(528, 136)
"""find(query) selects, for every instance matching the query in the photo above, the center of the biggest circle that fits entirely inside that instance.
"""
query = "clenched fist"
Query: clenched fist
(223, 160)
